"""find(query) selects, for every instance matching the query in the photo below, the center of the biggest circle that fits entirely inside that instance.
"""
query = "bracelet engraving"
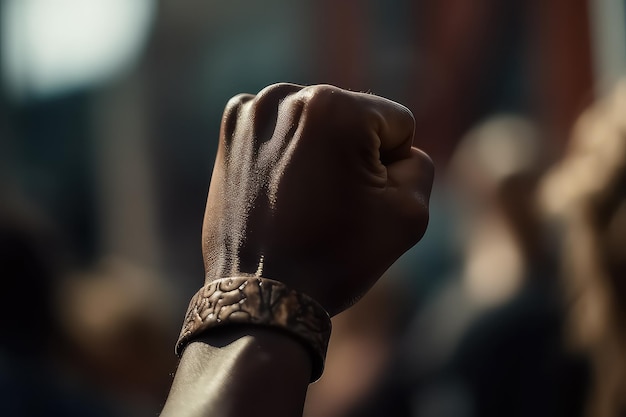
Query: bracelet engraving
(259, 301)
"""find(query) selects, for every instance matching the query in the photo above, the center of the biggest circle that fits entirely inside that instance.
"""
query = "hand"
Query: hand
(316, 187)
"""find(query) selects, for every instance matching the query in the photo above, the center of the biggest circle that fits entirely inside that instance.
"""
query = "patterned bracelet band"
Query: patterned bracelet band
(259, 301)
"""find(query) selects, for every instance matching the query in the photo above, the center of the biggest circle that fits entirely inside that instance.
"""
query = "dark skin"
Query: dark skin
(316, 187)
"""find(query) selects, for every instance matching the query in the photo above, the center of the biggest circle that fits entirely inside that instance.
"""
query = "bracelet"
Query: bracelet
(259, 301)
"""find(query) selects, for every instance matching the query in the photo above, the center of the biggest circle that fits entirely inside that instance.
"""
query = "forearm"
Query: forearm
(241, 371)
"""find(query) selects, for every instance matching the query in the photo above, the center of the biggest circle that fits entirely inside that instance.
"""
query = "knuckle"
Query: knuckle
(408, 114)
(273, 94)
(328, 105)
(236, 102)
(266, 108)
(231, 116)
(322, 95)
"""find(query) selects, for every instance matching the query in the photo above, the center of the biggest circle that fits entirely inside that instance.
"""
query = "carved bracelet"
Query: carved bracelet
(259, 301)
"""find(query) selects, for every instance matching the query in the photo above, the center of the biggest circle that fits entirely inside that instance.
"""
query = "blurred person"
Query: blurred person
(506, 356)
(585, 195)
(116, 335)
(488, 343)
(315, 193)
(491, 181)
(34, 380)
(76, 344)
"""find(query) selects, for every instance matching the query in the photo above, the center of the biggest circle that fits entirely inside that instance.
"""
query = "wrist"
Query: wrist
(214, 362)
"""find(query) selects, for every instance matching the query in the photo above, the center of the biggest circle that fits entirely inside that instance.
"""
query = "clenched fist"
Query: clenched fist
(316, 187)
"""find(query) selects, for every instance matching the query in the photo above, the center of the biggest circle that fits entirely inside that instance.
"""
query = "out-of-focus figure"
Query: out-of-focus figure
(33, 381)
(491, 181)
(586, 196)
(90, 344)
(118, 322)
(489, 341)
(490, 344)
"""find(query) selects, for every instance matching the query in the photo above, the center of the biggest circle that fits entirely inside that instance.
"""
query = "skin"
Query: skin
(316, 187)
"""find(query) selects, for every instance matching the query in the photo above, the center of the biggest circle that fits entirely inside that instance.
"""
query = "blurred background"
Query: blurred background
(511, 304)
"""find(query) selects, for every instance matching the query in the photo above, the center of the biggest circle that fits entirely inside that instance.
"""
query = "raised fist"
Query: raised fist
(316, 187)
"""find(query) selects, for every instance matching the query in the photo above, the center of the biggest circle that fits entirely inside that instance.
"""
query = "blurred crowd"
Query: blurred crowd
(513, 303)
